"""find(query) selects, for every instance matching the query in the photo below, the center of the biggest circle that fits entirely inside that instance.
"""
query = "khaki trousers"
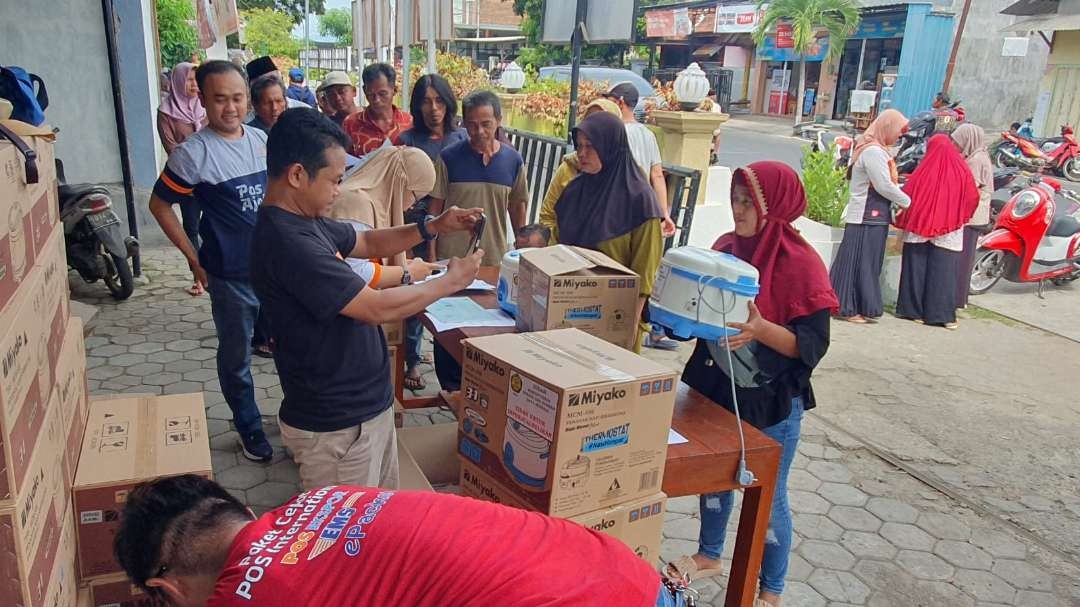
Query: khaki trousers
(363, 455)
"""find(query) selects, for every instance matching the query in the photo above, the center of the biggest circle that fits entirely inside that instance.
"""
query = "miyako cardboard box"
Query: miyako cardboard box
(28, 210)
(116, 591)
(72, 393)
(32, 525)
(128, 441)
(31, 335)
(568, 422)
(563, 286)
(637, 523)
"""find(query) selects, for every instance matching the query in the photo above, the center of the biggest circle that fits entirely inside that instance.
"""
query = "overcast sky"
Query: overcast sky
(298, 31)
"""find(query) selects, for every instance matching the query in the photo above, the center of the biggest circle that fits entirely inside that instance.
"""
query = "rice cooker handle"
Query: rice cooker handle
(29, 154)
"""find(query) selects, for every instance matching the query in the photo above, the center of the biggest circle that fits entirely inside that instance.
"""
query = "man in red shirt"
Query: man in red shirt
(381, 120)
(187, 541)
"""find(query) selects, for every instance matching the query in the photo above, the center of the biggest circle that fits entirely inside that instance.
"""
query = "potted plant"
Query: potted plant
(827, 190)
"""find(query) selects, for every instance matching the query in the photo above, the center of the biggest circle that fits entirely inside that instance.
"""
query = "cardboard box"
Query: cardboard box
(637, 523)
(116, 591)
(63, 584)
(72, 393)
(82, 599)
(30, 343)
(563, 286)
(32, 525)
(127, 441)
(433, 448)
(394, 332)
(28, 212)
(568, 422)
(410, 476)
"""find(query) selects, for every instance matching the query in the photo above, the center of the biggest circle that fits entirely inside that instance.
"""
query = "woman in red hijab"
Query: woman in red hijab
(943, 198)
(784, 338)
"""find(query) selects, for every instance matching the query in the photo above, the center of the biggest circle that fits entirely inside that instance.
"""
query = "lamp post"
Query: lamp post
(691, 87)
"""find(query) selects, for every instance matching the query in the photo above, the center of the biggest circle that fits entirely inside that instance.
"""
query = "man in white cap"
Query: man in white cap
(340, 96)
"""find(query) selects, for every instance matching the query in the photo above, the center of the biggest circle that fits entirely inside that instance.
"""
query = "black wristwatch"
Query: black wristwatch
(422, 226)
(406, 278)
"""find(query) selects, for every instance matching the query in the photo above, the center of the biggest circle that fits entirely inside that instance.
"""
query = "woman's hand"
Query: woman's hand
(749, 330)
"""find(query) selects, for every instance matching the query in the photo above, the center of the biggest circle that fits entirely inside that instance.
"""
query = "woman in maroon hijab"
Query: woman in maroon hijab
(784, 338)
(943, 198)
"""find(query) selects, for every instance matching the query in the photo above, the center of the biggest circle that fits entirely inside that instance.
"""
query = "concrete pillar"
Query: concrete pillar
(687, 140)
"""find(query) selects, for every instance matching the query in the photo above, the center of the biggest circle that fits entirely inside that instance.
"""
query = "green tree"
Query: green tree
(537, 54)
(270, 33)
(336, 23)
(176, 34)
(294, 8)
(836, 19)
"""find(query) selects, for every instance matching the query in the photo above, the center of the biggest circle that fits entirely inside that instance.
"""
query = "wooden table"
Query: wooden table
(705, 464)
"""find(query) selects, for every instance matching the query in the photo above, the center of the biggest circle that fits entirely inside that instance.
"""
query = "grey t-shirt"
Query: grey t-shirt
(643, 146)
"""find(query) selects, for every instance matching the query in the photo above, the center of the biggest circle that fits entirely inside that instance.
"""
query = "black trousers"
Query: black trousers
(856, 271)
(447, 369)
(928, 284)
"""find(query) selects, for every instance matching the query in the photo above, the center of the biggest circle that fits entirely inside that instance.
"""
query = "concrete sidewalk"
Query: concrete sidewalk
(893, 489)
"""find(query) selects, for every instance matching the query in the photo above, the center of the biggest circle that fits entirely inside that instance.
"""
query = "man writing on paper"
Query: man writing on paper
(336, 416)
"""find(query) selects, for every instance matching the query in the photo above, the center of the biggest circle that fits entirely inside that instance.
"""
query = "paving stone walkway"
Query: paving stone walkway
(867, 533)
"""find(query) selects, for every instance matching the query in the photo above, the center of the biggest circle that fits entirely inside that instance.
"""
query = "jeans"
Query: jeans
(414, 339)
(716, 509)
(666, 600)
(261, 335)
(235, 307)
(447, 369)
(190, 212)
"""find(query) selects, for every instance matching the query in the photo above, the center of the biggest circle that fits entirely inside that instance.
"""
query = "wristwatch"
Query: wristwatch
(422, 226)
(406, 278)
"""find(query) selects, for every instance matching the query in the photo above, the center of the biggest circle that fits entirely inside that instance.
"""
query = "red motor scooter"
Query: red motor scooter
(1036, 238)
(1026, 154)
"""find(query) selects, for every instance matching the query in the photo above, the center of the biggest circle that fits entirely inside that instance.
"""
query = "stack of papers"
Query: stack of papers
(457, 312)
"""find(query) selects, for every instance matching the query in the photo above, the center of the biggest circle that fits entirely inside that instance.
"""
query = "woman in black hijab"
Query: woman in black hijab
(609, 206)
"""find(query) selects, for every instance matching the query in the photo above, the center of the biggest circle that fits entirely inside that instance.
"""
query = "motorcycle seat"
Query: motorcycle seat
(80, 190)
(1063, 225)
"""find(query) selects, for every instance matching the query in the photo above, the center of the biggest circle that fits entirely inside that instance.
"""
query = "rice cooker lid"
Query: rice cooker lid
(706, 262)
(513, 257)
(528, 439)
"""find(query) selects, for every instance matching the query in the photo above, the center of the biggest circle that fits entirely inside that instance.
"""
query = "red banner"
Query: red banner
(785, 35)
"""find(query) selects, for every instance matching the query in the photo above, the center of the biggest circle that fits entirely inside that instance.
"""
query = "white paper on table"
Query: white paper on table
(492, 318)
(674, 438)
(456, 312)
(476, 285)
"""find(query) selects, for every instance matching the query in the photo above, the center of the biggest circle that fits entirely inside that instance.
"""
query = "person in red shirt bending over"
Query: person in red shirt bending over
(381, 120)
(187, 541)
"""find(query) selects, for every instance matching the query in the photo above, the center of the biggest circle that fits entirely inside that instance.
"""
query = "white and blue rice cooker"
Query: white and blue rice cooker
(507, 289)
(698, 291)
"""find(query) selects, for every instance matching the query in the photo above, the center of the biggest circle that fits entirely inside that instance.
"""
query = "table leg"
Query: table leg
(749, 545)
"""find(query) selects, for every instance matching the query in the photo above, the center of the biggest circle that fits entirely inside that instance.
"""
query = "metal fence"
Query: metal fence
(542, 156)
(337, 58)
(719, 80)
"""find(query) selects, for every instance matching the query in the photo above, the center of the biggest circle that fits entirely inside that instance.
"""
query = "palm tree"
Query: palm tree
(836, 19)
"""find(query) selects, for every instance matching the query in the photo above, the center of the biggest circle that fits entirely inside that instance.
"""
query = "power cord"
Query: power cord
(743, 475)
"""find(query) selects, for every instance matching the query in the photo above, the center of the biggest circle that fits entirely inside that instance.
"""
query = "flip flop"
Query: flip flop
(951, 326)
(414, 383)
(659, 343)
(686, 568)
(858, 320)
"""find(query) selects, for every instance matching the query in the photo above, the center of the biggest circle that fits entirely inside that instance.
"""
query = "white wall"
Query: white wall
(63, 41)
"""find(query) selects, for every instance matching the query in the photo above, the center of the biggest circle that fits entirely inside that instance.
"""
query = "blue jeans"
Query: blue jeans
(414, 339)
(666, 600)
(235, 308)
(716, 509)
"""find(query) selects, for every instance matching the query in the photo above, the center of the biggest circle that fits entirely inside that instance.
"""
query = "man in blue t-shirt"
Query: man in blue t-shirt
(336, 417)
(224, 167)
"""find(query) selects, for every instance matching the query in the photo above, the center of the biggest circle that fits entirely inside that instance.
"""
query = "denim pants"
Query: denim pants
(190, 213)
(716, 509)
(414, 339)
(666, 600)
(235, 307)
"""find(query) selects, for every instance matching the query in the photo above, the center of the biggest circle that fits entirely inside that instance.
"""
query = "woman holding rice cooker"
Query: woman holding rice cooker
(784, 338)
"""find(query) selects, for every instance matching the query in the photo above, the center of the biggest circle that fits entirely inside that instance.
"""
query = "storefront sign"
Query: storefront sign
(738, 18)
(881, 26)
(683, 26)
(767, 51)
(660, 23)
(785, 35)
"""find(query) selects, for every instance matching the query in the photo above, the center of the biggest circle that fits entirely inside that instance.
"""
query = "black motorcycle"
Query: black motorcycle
(96, 245)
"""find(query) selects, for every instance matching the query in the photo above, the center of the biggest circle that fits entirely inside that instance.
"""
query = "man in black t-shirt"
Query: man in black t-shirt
(331, 356)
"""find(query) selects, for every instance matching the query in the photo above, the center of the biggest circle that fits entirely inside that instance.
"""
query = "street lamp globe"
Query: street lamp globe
(513, 77)
(691, 87)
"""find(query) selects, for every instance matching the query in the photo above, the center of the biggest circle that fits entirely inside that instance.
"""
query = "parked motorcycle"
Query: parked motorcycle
(1006, 185)
(913, 142)
(1036, 238)
(96, 245)
(1063, 156)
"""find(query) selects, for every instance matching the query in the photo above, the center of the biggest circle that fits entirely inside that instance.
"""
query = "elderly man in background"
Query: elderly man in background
(340, 96)
(268, 101)
(381, 120)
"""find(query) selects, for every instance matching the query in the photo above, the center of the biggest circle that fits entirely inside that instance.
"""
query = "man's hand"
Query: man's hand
(420, 269)
(462, 270)
(455, 219)
(198, 274)
(748, 331)
(667, 227)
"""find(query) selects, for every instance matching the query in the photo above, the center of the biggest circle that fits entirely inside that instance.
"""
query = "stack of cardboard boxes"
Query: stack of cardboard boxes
(570, 425)
(66, 463)
(43, 397)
